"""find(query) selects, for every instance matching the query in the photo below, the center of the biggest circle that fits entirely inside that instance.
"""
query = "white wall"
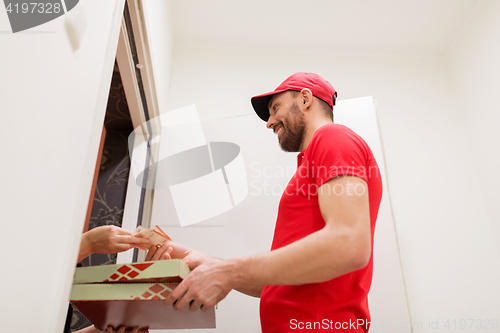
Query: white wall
(475, 66)
(52, 103)
(158, 19)
(448, 253)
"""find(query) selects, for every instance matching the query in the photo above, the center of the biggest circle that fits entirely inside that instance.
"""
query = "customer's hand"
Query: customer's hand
(109, 239)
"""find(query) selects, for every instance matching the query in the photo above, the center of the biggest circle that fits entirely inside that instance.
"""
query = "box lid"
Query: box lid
(173, 270)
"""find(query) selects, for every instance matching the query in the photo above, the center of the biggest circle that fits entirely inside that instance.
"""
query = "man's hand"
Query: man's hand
(108, 239)
(159, 253)
(190, 257)
(208, 283)
(205, 286)
(123, 330)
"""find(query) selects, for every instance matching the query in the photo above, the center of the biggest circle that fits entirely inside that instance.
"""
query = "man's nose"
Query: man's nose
(270, 122)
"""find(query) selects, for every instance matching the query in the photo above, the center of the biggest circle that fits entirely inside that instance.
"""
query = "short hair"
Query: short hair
(327, 109)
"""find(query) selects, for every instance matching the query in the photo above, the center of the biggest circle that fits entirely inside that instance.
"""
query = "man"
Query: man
(318, 272)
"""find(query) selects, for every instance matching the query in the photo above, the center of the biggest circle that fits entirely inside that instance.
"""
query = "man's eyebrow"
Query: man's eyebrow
(269, 104)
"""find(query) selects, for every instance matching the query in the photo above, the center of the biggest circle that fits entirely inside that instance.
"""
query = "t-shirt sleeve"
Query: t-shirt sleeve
(337, 151)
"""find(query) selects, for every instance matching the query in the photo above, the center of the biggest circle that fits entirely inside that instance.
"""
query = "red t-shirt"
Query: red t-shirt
(341, 303)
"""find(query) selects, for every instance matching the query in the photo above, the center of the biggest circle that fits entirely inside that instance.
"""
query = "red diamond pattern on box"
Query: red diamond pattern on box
(146, 295)
(124, 269)
(142, 267)
(173, 270)
(157, 288)
(133, 274)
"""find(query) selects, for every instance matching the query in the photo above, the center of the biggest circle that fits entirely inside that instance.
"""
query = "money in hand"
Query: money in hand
(155, 235)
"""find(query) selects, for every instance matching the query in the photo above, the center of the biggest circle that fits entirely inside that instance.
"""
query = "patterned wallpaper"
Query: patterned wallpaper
(117, 113)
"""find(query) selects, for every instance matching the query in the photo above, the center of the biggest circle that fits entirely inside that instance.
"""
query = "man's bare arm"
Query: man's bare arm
(251, 290)
(342, 246)
(193, 259)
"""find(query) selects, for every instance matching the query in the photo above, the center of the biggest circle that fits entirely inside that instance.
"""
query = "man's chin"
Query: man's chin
(288, 149)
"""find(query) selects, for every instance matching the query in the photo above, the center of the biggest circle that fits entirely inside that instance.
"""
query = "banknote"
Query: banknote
(156, 236)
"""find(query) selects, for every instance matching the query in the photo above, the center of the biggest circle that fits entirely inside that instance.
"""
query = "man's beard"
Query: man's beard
(293, 131)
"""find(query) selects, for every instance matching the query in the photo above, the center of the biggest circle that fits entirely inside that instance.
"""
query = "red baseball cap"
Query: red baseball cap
(319, 87)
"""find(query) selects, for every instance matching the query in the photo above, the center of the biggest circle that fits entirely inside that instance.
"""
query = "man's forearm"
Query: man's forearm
(319, 257)
(251, 290)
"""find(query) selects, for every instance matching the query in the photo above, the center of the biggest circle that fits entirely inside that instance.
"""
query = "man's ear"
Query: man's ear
(306, 98)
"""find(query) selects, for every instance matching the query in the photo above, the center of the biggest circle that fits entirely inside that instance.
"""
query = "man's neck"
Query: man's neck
(311, 128)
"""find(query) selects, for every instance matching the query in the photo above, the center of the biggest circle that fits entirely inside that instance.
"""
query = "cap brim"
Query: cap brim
(260, 103)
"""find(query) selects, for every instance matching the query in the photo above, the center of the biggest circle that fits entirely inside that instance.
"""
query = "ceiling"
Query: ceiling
(423, 28)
